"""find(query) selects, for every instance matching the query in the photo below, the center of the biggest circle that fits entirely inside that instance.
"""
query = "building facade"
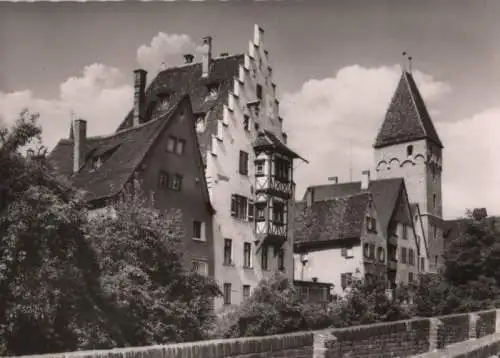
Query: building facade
(161, 157)
(408, 146)
(399, 226)
(338, 240)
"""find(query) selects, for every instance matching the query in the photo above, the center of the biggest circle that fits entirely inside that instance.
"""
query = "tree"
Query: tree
(49, 280)
(369, 302)
(275, 307)
(140, 261)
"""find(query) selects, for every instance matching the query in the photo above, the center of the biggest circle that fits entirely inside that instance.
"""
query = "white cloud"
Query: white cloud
(100, 96)
(167, 48)
(333, 123)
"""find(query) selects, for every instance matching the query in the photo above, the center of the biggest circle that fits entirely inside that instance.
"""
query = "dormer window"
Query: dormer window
(200, 123)
(212, 92)
(161, 105)
(96, 163)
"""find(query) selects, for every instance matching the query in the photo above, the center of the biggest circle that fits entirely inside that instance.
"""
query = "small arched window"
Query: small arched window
(409, 150)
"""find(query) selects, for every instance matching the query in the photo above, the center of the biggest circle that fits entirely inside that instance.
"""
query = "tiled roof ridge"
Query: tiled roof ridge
(355, 182)
(184, 65)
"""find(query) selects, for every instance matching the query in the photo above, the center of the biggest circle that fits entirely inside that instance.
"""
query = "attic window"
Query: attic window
(213, 91)
(409, 150)
(96, 162)
(200, 123)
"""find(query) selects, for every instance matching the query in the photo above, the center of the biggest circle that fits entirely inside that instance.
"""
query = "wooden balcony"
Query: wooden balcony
(274, 187)
(271, 233)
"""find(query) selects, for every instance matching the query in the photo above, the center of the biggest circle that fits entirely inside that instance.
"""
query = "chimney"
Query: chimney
(285, 137)
(188, 58)
(310, 197)
(207, 55)
(365, 179)
(224, 54)
(333, 180)
(139, 89)
(80, 137)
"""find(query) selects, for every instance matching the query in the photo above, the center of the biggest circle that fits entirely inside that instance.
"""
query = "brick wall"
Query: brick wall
(477, 334)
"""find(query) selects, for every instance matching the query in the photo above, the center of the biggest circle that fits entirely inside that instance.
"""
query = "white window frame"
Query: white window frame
(202, 231)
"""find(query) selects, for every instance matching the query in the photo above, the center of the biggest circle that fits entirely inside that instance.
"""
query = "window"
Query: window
(380, 254)
(179, 148)
(200, 123)
(228, 251)
(212, 90)
(347, 252)
(171, 144)
(227, 293)
(243, 163)
(372, 251)
(260, 212)
(198, 233)
(176, 183)
(278, 213)
(435, 260)
(162, 180)
(410, 276)
(411, 257)
(96, 162)
(405, 232)
(251, 210)
(281, 260)
(281, 169)
(434, 201)
(366, 250)
(403, 255)
(259, 168)
(422, 264)
(409, 150)
(345, 279)
(259, 91)
(239, 206)
(246, 291)
(371, 224)
(200, 267)
(247, 255)
(264, 258)
(246, 122)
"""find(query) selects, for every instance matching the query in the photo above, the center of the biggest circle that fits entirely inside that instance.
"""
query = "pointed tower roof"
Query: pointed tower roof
(407, 118)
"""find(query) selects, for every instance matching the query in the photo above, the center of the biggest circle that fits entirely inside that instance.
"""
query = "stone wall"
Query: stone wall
(425, 337)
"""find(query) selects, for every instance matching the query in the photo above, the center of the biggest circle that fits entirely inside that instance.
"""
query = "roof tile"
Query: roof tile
(407, 118)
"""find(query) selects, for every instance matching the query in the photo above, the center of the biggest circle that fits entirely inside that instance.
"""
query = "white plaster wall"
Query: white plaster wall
(223, 173)
(327, 265)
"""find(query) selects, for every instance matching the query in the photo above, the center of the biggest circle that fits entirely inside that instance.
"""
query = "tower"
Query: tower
(408, 146)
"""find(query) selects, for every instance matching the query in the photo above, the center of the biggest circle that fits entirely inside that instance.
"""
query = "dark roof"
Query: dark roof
(407, 118)
(385, 194)
(266, 140)
(187, 80)
(330, 220)
(126, 150)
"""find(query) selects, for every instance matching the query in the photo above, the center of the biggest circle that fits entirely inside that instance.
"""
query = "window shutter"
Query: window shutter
(234, 206)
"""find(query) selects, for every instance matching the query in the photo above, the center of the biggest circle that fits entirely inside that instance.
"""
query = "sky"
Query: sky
(336, 65)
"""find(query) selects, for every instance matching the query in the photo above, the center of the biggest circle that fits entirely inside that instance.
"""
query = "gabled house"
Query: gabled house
(407, 251)
(162, 157)
(337, 239)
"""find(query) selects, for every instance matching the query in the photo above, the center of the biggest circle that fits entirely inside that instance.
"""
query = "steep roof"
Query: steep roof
(385, 194)
(330, 220)
(125, 149)
(266, 139)
(187, 80)
(407, 118)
